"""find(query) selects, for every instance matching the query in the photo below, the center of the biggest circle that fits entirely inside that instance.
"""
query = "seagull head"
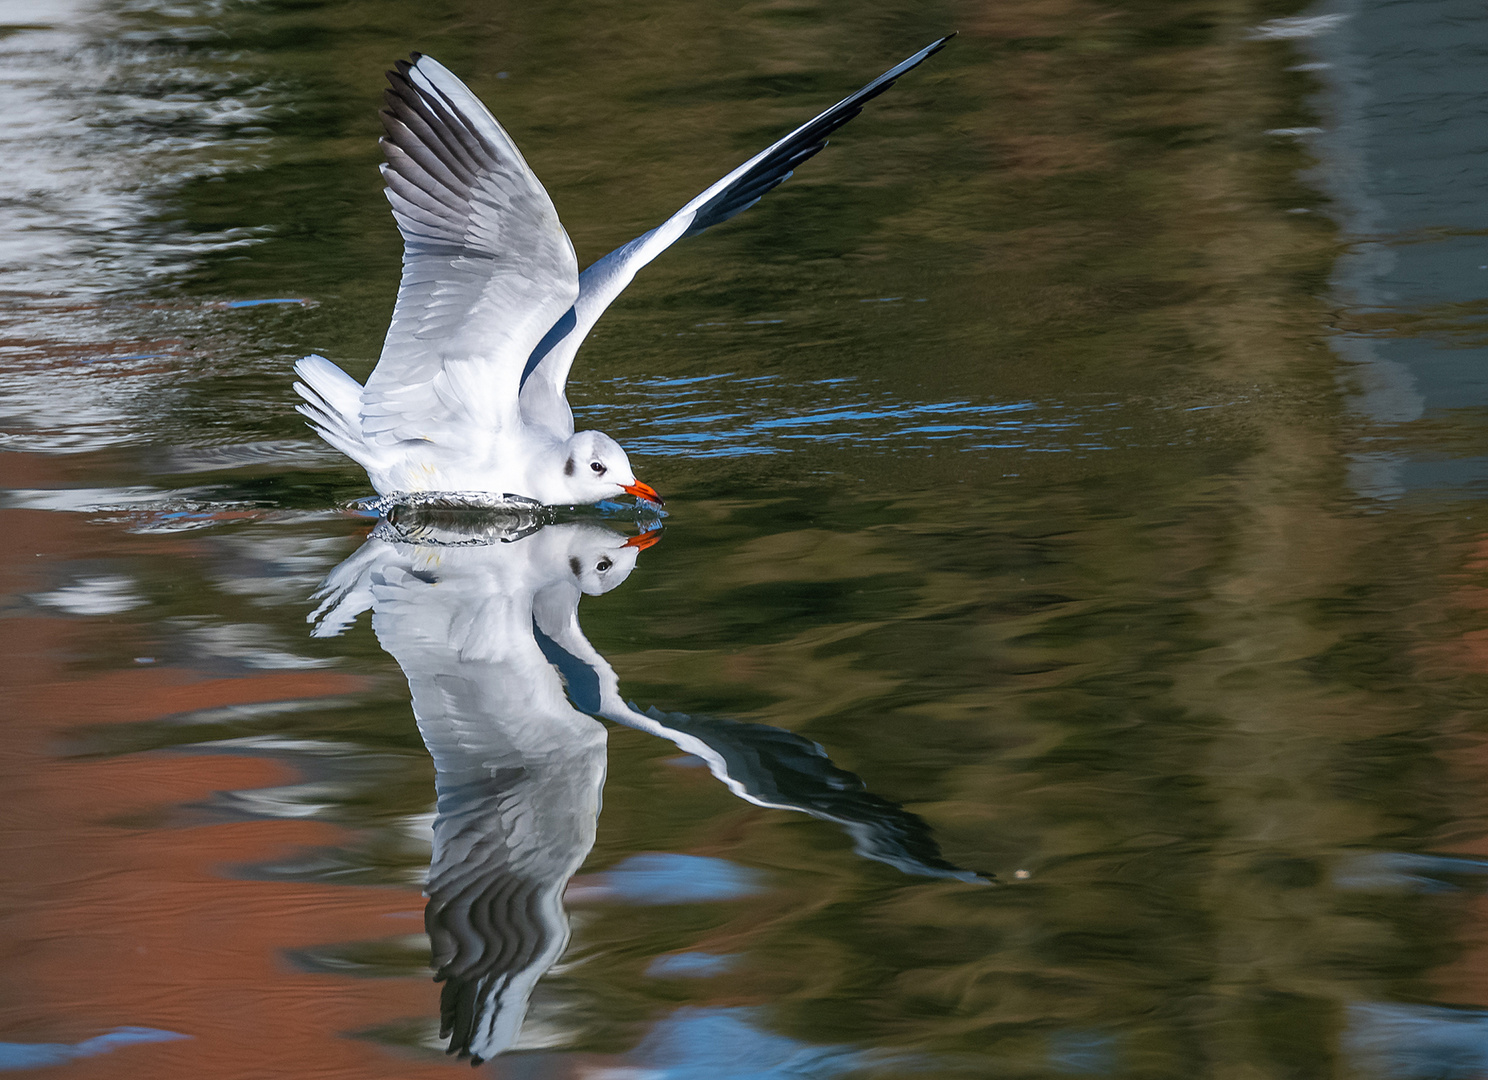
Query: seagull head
(599, 558)
(595, 467)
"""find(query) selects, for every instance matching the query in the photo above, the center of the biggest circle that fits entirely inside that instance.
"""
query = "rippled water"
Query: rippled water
(1063, 655)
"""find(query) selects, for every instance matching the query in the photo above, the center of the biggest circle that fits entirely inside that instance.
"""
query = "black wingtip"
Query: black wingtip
(801, 144)
(401, 68)
(935, 46)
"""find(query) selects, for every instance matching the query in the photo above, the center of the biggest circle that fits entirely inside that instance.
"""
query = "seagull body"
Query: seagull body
(469, 394)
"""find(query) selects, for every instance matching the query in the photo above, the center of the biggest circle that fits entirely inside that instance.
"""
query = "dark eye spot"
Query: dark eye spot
(604, 564)
(598, 467)
(575, 565)
(568, 467)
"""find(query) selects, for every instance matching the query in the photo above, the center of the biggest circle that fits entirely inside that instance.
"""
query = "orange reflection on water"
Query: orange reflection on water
(113, 916)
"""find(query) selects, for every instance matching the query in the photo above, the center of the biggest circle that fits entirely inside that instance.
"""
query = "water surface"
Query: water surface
(1062, 655)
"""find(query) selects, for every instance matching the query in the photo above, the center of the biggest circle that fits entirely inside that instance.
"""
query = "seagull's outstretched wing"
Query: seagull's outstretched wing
(487, 267)
(546, 372)
(759, 763)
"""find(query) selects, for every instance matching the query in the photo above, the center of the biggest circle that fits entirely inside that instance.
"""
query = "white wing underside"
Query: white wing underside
(487, 269)
(545, 379)
(519, 772)
(491, 309)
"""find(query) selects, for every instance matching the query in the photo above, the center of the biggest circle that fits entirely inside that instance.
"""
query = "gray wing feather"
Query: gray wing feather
(545, 374)
(518, 775)
(487, 267)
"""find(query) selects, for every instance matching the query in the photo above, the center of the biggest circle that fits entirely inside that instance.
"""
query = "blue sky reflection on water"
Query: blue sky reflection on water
(1402, 106)
(41, 1055)
(724, 416)
(694, 1044)
(666, 878)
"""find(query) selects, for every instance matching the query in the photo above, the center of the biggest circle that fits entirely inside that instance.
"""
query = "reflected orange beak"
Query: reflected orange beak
(644, 540)
(644, 491)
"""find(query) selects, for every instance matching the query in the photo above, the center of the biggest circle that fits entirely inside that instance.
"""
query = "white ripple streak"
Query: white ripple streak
(96, 129)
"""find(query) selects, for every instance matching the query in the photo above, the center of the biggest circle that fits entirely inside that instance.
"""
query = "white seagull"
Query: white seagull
(467, 398)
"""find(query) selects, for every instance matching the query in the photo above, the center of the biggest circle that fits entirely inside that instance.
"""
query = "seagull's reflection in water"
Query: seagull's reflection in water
(481, 613)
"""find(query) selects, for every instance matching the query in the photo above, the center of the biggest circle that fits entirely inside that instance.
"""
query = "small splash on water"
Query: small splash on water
(474, 519)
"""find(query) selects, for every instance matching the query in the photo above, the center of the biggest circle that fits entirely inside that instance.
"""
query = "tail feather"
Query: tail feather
(330, 430)
(333, 401)
(340, 390)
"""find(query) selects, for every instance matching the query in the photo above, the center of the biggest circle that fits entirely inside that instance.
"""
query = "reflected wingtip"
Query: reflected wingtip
(935, 46)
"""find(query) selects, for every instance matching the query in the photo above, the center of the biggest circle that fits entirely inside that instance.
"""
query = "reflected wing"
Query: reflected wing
(761, 764)
(516, 817)
(487, 267)
(517, 770)
(769, 766)
(546, 371)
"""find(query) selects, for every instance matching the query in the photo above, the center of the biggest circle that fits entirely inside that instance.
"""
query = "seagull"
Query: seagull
(468, 397)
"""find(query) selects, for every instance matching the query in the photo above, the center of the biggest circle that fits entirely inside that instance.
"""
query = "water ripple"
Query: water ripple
(707, 417)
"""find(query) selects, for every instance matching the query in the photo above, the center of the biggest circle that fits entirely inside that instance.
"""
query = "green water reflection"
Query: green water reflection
(1005, 458)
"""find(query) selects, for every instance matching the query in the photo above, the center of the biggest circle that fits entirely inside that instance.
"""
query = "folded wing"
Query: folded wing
(487, 267)
(545, 375)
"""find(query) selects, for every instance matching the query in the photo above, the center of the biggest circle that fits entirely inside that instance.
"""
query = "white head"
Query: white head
(594, 467)
(597, 558)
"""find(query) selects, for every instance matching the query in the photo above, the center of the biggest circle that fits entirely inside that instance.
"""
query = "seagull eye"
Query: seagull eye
(604, 564)
(598, 467)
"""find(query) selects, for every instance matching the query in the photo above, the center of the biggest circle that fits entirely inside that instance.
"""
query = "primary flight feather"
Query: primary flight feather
(469, 394)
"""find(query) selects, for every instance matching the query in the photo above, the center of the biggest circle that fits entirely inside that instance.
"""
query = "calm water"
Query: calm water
(1064, 655)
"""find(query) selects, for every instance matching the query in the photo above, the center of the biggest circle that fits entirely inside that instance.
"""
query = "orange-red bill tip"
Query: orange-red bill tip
(644, 491)
(644, 540)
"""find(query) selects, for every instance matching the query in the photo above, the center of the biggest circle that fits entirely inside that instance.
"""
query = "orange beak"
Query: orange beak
(643, 540)
(644, 491)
